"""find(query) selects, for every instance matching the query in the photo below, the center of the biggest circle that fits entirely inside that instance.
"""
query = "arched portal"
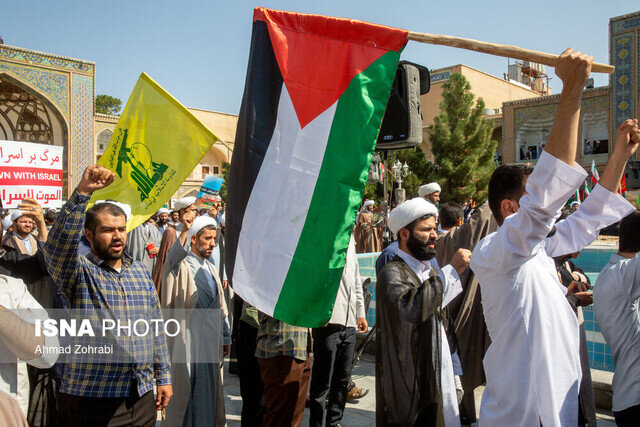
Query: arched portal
(103, 140)
(28, 116)
(532, 135)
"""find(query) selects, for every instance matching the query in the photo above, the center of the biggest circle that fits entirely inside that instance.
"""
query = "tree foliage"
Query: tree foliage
(106, 104)
(421, 171)
(225, 184)
(461, 144)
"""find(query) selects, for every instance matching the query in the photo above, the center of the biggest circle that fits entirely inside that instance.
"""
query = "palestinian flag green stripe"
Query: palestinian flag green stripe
(333, 208)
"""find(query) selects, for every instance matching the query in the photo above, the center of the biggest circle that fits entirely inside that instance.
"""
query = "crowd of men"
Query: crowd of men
(464, 297)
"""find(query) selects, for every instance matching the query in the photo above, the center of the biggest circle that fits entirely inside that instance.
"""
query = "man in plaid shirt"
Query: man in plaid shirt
(106, 280)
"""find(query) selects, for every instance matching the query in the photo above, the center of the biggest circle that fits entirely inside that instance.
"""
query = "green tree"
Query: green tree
(106, 104)
(421, 171)
(225, 183)
(461, 144)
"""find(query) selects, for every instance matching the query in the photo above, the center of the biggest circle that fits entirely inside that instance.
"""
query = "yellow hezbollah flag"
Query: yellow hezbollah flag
(156, 144)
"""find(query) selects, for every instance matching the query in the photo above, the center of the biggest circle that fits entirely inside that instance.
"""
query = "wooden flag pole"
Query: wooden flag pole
(498, 50)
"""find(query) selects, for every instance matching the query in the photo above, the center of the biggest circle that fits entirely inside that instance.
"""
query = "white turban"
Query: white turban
(409, 211)
(365, 204)
(427, 189)
(16, 214)
(198, 224)
(575, 202)
(185, 202)
(126, 208)
(222, 219)
(163, 211)
(6, 222)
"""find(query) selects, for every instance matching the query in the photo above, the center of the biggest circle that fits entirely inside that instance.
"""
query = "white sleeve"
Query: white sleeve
(360, 311)
(600, 209)
(451, 285)
(548, 188)
(631, 278)
(28, 309)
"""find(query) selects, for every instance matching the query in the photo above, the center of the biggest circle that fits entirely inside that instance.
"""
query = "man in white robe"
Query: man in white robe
(533, 363)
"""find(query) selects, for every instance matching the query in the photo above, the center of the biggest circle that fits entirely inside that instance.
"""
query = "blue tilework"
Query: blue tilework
(367, 263)
(592, 261)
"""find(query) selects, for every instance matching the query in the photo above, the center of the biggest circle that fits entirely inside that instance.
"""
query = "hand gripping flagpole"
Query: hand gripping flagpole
(499, 50)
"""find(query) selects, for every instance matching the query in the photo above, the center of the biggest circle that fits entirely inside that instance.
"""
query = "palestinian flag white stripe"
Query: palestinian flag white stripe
(271, 227)
(315, 95)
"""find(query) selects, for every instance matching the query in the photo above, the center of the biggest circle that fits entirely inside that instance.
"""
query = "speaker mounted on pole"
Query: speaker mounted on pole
(402, 122)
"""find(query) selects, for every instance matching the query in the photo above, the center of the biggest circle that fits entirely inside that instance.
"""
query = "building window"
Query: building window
(205, 170)
(532, 136)
(103, 141)
(216, 170)
(595, 132)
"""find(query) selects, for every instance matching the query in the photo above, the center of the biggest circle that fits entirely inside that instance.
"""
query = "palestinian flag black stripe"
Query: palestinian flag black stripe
(315, 95)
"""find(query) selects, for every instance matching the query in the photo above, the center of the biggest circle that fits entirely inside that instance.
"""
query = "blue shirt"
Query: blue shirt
(386, 255)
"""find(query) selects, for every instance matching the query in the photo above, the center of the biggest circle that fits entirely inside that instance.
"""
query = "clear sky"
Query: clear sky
(198, 50)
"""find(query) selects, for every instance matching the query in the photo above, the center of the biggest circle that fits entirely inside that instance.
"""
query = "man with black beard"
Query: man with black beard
(109, 281)
(415, 382)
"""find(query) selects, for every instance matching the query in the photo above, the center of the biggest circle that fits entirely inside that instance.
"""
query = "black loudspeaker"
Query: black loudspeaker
(402, 122)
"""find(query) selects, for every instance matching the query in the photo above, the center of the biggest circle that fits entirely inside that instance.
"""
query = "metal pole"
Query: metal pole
(386, 198)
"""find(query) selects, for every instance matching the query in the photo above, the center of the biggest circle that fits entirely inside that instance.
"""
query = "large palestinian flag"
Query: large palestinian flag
(315, 94)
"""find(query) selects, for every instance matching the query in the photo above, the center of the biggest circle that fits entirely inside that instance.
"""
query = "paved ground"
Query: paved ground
(358, 414)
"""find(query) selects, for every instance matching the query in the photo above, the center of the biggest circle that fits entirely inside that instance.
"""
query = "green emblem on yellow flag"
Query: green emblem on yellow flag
(156, 144)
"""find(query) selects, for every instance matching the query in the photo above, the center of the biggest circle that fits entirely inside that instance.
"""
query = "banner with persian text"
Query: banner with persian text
(29, 170)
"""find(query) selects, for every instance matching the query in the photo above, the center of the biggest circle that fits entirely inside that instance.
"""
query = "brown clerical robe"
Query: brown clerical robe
(408, 343)
(466, 308)
(12, 241)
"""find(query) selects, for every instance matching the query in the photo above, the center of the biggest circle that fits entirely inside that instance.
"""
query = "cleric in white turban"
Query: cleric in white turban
(182, 205)
(409, 211)
(198, 224)
(185, 202)
(413, 359)
(431, 192)
(190, 280)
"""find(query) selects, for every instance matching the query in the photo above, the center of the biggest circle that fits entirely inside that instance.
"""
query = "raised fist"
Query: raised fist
(574, 68)
(187, 219)
(94, 178)
(460, 260)
(31, 208)
(628, 137)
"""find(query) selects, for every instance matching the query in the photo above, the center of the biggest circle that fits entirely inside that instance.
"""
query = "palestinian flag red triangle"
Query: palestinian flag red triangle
(319, 56)
(315, 95)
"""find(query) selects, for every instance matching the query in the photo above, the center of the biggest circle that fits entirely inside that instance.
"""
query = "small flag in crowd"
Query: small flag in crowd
(315, 94)
(622, 188)
(595, 177)
(587, 190)
(155, 146)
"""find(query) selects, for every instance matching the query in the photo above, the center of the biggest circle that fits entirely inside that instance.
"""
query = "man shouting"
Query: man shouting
(415, 382)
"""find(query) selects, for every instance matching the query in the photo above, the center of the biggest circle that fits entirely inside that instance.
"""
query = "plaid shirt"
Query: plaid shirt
(276, 338)
(87, 282)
